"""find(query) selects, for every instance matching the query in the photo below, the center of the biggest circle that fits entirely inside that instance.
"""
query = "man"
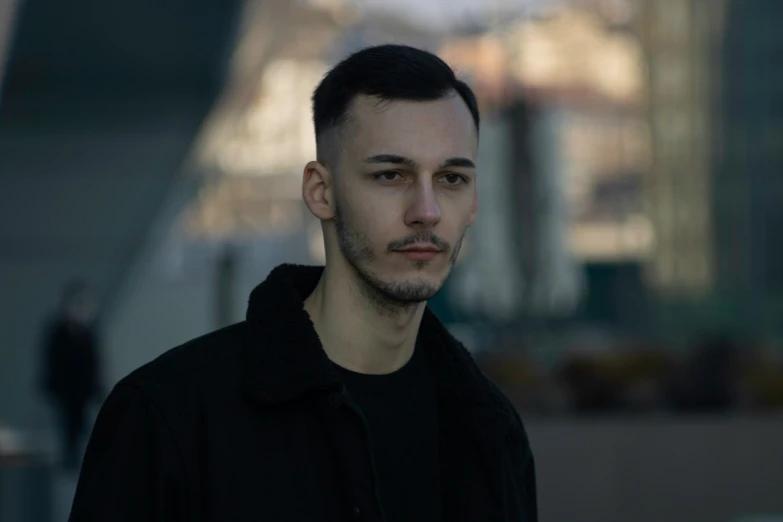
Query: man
(70, 371)
(340, 396)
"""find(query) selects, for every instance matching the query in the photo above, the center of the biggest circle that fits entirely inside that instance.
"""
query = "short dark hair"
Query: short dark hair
(389, 72)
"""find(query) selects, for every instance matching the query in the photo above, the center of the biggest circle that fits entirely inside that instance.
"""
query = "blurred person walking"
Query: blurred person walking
(70, 368)
(341, 396)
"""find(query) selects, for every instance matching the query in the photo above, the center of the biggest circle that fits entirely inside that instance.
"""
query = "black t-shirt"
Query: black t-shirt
(401, 411)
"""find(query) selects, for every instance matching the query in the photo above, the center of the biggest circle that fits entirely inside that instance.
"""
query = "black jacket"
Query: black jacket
(252, 423)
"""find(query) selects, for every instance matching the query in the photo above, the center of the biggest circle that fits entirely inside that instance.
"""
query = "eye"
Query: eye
(388, 175)
(454, 179)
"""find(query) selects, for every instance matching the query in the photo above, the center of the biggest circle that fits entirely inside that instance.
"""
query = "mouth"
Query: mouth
(420, 252)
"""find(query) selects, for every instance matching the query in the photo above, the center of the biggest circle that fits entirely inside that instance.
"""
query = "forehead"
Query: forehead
(421, 130)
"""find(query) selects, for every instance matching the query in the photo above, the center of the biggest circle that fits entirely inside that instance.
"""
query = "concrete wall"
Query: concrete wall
(172, 297)
(100, 104)
(74, 201)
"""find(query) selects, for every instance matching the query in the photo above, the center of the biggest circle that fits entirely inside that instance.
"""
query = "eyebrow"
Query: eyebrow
(459, 163)
(396, 159)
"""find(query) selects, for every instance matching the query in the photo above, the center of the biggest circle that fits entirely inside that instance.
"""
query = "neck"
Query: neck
(355, 331)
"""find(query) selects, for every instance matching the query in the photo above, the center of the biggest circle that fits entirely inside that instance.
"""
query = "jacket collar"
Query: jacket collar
(284, 357)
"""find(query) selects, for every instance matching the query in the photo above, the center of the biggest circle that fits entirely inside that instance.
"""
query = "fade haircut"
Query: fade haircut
(387, 72)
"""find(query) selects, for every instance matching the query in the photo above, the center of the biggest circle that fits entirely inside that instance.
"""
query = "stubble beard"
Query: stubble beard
(388, 297)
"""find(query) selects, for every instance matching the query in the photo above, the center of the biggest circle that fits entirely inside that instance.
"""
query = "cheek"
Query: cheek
(366, 223)
(378, 217)
(457, 213)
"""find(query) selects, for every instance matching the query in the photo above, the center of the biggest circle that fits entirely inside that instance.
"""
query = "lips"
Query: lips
(423, 248)
(420, 252)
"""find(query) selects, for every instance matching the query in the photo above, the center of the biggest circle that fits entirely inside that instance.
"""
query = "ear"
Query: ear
(317, 190)
(473, 208)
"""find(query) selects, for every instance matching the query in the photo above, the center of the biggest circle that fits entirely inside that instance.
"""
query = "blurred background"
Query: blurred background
(623, 283)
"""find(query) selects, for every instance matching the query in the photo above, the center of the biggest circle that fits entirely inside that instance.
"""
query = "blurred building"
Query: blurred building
(714, 190)
(680, 39)
(569, 81)
(748, 194)
(101, 103)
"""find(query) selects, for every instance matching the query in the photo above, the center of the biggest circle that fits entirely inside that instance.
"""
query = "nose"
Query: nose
(424, 211)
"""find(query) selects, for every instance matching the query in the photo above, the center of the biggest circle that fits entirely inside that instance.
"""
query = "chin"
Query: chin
(405, 286)
(425, 285)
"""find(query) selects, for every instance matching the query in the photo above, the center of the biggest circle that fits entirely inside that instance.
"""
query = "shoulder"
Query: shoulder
(505, 405)
(473, 375)
(497, 399)
(515, 435)
(213, 360)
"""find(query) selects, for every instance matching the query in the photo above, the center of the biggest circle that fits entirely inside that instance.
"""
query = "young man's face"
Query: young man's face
(405, 193)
